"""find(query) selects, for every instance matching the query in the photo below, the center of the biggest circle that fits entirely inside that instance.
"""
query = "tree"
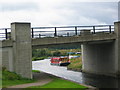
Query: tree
(57, 53)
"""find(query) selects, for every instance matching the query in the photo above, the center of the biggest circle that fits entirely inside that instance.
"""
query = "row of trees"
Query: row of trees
(40, 54)
(46, 52)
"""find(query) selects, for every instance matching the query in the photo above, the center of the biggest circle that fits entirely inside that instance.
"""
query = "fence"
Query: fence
(38, 32)
(41, 32)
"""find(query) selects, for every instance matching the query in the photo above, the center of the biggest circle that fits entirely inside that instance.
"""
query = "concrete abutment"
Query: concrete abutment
(98, 58)
(102, 58)
(22, 49)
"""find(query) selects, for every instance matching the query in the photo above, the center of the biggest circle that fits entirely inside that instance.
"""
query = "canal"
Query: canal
(79, 77)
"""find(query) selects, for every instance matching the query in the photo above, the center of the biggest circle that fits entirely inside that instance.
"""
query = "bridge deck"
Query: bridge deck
(66, 40)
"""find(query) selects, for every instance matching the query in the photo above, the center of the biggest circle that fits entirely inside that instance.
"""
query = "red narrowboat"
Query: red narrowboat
(60, 61)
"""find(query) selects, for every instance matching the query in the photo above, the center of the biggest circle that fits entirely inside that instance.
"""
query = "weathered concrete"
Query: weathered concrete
(75, 39)
(0, 51)
(0, 55)
(119, 11)
(85, 32)
(98, 58)
(117, 48)
(7, 57)
(6, 43)
(102, 58)
(22, 50)
(0, 64)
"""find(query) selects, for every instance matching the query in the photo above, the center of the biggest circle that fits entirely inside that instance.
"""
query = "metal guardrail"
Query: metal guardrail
(40, 32)
(5, 33)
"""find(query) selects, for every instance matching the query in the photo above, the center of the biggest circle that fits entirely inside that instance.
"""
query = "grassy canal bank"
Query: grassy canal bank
(12, 79)
(76, 64)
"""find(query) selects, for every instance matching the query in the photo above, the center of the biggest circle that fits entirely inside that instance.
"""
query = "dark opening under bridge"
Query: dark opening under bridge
(100, 46)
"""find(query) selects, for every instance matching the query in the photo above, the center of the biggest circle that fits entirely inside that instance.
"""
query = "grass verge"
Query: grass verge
(35, 71)
(38, 58)
(11, 78)
(60, 83)
(76, 64)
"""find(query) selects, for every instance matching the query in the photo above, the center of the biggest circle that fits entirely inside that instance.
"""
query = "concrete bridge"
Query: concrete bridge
(100, 50)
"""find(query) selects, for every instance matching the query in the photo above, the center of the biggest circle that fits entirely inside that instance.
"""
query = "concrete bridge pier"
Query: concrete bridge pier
(117, 48)
(102, 58)
(22, 49)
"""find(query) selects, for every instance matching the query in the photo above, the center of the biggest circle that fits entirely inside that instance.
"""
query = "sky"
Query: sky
(58, 12)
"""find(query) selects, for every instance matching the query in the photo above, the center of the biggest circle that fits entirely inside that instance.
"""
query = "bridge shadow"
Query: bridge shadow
(101, 81)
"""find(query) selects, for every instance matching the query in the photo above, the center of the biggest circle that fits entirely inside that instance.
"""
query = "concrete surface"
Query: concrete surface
(22, 49)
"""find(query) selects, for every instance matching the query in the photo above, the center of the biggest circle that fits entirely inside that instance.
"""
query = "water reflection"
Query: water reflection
(100, 81)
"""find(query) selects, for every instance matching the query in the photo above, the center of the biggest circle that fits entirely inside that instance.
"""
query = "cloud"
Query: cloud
(85, 13)
(10, 7)
(58, 12)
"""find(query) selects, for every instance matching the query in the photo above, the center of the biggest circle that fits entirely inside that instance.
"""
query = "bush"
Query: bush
(57, 53)
(41, 52)
(34, 59)
(6, 75)
(38, 58)
(4, 68)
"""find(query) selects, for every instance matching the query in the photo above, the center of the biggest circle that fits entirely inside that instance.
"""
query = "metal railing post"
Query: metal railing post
(55, 34)
(110, 29)
(32, 33)
(93, 29)
(75, 30)
(39, 35)
(6, 36)
(67, 34)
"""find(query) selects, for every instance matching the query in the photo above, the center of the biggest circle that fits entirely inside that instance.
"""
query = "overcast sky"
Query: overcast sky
(58, 12)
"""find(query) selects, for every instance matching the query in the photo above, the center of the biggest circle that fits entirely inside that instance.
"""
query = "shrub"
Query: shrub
(57, 53)
(38, 58)
(6, 75)
(4, 68)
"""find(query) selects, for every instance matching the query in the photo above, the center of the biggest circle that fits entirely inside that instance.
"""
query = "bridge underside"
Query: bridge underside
(74, 40)
(69, 45)
(99, 58)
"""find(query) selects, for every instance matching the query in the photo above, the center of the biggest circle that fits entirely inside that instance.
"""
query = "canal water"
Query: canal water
(79, 77)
